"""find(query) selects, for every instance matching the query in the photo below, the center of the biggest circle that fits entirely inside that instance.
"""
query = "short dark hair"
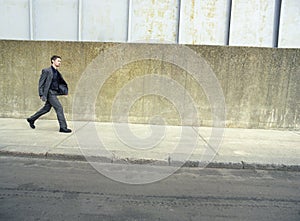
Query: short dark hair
(54, 57)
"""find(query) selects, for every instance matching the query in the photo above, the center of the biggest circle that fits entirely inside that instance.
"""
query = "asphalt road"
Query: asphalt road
(38, 189)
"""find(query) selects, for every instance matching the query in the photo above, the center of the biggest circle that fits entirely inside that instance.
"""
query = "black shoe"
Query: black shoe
(31, 123)
(65, 130)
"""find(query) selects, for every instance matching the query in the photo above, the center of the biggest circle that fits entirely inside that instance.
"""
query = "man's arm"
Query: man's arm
(42, 82)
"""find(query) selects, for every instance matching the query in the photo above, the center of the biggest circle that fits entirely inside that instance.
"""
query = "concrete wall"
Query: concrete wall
(103, 20)
(53, 21)
(252, 23)
(260, 85)
(204, 22)
(256, 23)
(289, 33)
(153, 20)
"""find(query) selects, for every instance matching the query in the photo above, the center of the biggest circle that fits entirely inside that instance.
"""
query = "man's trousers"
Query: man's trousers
(52, 101)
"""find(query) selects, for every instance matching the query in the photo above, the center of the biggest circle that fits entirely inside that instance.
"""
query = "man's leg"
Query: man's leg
(45, 109)
(53, 100)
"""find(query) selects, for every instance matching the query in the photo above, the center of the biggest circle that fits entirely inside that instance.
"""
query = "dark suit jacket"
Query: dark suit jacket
(46, 80)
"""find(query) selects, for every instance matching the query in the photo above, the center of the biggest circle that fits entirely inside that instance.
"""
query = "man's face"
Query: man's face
(57, 62)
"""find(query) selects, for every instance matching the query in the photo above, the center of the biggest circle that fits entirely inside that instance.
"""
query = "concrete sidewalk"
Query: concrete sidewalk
(168, 145)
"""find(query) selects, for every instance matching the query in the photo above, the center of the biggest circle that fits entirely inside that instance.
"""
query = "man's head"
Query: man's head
(56, 61)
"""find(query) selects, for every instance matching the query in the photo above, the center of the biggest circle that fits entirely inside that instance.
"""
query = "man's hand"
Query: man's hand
(43, 98)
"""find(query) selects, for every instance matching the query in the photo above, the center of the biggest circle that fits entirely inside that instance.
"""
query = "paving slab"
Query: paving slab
(115, 142)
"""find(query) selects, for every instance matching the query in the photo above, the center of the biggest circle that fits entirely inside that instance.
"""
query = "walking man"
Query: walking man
(52, 84)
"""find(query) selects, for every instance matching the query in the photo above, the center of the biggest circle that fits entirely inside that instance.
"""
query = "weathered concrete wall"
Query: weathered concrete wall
(260, 85)
(204, 22)
(252, 23)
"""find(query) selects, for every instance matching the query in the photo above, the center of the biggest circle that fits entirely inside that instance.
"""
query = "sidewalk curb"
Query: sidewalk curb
(190, 164)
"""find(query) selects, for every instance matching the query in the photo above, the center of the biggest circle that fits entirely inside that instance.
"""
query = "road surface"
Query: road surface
(40, 189)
